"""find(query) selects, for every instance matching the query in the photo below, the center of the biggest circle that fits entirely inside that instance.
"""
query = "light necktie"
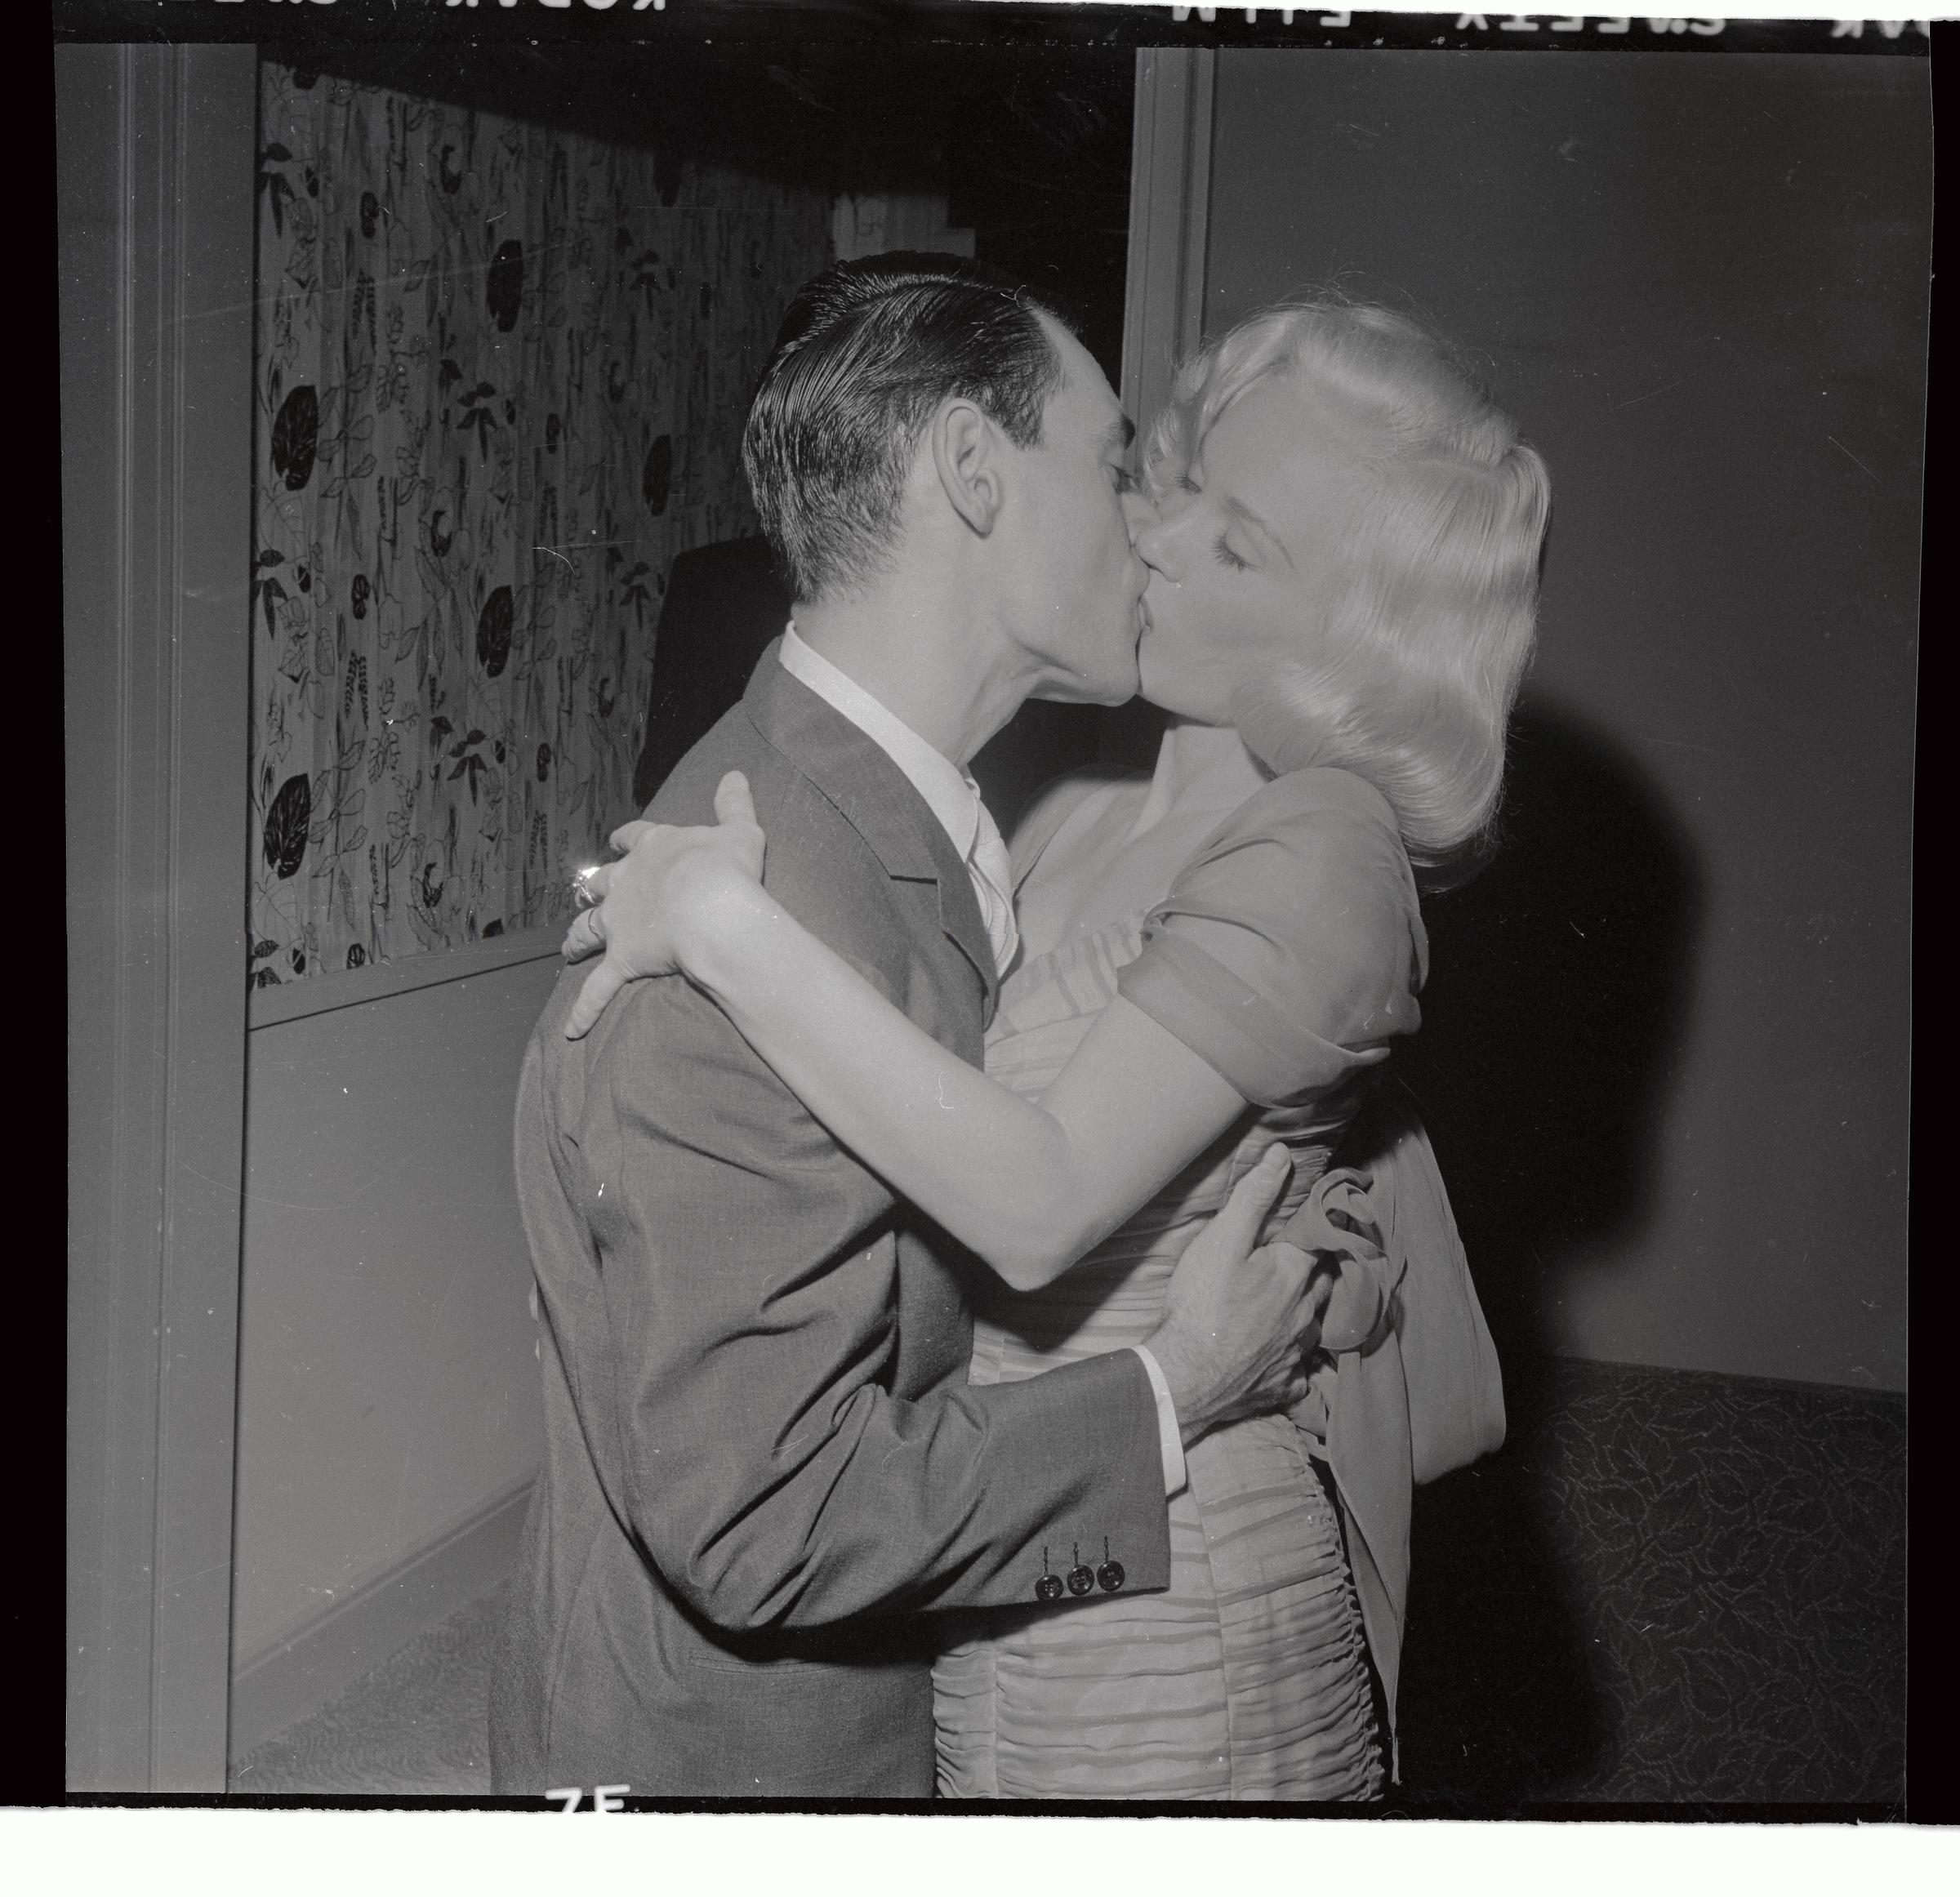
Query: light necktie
(994, 884)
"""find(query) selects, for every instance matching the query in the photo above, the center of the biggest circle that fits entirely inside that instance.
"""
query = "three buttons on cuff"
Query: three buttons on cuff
(1082, 1579)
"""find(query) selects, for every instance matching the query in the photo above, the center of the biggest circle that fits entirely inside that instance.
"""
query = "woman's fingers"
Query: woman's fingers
(623, 838)
(599, 988)
(586, 937)
(735, 808)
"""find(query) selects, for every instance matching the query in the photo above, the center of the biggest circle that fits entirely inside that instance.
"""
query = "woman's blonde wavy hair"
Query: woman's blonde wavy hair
(1411, 682)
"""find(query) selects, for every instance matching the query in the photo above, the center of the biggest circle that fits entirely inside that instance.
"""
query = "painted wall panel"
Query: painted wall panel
(387, 1387)
(1665, 1052)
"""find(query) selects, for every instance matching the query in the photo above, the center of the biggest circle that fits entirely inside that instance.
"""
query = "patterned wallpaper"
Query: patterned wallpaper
(501, 372)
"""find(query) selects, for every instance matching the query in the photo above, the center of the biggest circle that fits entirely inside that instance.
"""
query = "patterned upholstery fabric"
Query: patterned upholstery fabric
(1668, 1586)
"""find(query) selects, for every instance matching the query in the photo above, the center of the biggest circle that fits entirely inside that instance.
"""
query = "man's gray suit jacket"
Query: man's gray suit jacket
(766, 1474)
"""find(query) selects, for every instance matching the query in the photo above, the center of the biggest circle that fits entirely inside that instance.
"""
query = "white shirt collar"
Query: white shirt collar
(950, 793)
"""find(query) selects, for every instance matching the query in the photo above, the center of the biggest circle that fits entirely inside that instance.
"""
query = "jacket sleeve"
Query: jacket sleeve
(751, 1271)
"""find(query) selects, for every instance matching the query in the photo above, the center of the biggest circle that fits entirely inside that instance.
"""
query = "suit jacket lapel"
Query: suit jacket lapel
(876, 798)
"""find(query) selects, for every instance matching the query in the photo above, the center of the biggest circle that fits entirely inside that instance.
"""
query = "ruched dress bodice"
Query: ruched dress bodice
(1246, 1679)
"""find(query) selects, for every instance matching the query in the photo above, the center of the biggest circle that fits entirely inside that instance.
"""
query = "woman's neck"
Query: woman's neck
(1200, 768)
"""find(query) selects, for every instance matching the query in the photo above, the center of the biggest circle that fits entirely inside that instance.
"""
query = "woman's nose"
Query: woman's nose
(1146, 536)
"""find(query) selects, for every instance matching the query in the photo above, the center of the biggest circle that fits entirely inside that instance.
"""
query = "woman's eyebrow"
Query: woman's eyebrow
(1256, 521)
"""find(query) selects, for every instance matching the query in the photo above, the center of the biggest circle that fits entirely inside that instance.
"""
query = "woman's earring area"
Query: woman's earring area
(582, 886)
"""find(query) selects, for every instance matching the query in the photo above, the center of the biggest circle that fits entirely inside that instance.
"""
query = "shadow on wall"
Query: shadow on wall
(1559, 990)
(1559, 983)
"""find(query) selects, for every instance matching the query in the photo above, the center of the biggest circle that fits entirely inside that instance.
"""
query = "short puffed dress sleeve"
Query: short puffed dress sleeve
(1289, 951)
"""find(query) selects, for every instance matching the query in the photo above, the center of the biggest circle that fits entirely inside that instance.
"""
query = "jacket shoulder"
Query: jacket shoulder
(816, 863)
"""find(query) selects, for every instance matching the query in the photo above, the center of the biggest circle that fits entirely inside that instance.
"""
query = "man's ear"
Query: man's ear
(966, 449)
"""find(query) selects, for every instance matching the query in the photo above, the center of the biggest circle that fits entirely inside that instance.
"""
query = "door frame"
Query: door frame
(155, 203)
(1163, 290)
(1169, 212)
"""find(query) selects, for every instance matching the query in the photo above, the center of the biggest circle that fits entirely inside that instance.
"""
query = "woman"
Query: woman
(1342, 538)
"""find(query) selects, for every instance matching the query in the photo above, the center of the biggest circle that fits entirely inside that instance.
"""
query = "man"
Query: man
(765, 1472)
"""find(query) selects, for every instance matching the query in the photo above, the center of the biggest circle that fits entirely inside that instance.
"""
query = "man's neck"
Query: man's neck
(935, 665)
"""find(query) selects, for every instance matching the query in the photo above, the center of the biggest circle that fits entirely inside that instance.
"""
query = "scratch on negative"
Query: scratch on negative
(1632, 399)
(1848, 455)
(1681, 744)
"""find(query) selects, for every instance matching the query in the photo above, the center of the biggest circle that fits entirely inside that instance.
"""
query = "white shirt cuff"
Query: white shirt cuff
(1170, 1438)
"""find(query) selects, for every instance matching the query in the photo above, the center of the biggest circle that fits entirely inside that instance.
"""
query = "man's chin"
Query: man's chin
(1080, 692)
(1122, 692)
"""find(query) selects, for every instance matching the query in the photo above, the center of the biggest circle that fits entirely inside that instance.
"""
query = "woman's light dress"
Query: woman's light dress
(1288, 955)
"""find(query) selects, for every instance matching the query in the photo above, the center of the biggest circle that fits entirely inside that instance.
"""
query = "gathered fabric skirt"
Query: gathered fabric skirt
(1248, 1679)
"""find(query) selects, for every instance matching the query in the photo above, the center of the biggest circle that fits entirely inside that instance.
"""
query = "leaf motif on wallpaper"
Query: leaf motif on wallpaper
(504, 284)
(646, 277)
(286, 824)
(391, 386)
(414, 639)
(354, 692)
(382, 758)
(656, 477)
(633, 592)
(269, 589)
(273, 183)
(494, 625)
(295, 436)
(480, 413)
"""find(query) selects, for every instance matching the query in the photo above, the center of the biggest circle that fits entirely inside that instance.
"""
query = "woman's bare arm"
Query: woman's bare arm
(1029, 1185)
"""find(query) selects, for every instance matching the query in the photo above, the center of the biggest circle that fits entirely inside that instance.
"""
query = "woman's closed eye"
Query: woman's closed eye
(1223, 554)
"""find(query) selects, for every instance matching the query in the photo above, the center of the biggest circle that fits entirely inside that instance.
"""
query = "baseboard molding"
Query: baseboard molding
(300, 1672)
(1885, 1393)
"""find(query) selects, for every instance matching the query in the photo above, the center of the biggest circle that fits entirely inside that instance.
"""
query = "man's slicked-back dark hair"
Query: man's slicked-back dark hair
(866, 352)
